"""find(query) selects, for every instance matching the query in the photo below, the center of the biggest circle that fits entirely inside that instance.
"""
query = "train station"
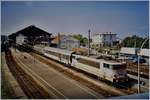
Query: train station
(49, 52)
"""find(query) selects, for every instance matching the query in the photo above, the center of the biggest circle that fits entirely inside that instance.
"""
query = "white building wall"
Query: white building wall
(20, 39)
(67, 42)
(126, 50)
(97, 39)
(62, 43)
(144, 52)
(104, 38)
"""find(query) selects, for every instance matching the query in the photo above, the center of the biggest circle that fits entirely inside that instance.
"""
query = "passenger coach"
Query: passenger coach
(60, 55)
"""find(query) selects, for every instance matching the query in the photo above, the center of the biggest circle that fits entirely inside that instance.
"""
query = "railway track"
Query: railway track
(132, 69)
(27, 83)
(133, 72)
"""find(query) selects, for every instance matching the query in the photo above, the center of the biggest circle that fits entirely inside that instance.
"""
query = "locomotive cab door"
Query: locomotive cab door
(102, 71)
(107, 72)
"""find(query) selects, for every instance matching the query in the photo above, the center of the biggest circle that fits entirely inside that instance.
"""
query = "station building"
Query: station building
(30, 35)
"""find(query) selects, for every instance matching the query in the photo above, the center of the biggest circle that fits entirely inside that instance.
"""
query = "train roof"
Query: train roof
(38, 46)
(101, 60)
(67, 52)
(57, 50)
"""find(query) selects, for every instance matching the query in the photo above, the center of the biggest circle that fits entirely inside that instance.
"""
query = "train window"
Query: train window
(52, 53)
(73, 56)
(88, 62)
(106, 65)
(65, 56)
(119, 66)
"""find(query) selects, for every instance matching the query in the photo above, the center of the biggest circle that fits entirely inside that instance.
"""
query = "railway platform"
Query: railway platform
(11, 81)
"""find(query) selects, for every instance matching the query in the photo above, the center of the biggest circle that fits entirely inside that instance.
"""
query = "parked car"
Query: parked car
(141, 60)
(133, 59)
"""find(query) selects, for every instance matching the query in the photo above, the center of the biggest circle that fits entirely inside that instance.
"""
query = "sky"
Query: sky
(125, 18)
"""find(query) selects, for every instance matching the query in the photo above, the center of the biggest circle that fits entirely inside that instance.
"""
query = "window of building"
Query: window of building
(110, 37)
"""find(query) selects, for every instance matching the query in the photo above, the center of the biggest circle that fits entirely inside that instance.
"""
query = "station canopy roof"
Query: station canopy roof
(30, 31)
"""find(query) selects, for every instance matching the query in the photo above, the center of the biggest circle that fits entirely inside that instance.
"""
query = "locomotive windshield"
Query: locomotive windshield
(120, 66)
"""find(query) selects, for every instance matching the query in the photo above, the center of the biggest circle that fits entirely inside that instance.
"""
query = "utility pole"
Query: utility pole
(138, 71)
(58, 40)
(89, 31)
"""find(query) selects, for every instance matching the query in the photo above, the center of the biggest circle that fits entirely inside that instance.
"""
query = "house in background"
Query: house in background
(106, 39)
(81, 50)
(66, 42)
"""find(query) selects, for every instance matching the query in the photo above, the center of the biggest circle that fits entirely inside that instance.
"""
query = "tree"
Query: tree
(83, 40)
(134, 41)
(146, 45)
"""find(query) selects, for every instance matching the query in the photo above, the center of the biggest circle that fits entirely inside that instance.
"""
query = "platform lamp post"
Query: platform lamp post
(58, 40)
(139, 53)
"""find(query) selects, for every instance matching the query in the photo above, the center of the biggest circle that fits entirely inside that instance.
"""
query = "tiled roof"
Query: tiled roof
(104, 33)
(80, 49)
(56, 39)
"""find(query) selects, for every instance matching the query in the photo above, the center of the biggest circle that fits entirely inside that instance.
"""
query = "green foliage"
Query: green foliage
(83, 40)
(134, 41)
(100, 50)
(146, 45)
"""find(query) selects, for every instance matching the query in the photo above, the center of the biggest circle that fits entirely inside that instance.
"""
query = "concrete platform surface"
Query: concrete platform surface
(13, 84)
